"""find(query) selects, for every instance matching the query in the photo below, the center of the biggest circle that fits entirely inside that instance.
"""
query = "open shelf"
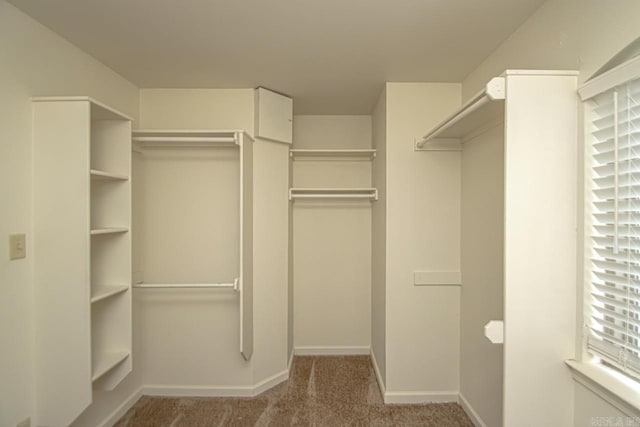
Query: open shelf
(107, 362)
(483, 110)
(333, 193)
(337, 153)
(108, 230)
(103, 292)
(107, 176)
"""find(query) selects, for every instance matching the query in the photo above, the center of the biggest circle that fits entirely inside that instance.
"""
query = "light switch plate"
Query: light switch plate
(17, 246)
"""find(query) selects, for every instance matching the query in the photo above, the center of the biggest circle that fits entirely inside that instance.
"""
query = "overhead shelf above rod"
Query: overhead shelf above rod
(485, 107)
(333, 193)
(144, 139)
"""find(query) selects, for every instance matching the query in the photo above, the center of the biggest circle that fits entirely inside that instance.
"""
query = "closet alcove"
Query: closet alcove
(331, 195)
(517, 238)
(193, 219)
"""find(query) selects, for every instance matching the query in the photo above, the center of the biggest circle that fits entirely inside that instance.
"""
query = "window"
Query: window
(613, 219)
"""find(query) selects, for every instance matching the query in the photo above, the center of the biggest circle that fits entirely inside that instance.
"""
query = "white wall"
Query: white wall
(482, 229)
(563, 34)
(423, 234)
(332, 239)
(35, 62)
(379, 239)
(566, 34)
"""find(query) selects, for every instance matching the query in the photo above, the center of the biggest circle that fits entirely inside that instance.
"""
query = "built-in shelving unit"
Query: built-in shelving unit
(483, 110)
(333, 154)
(82, 268)
(318, 163)
(333, 193)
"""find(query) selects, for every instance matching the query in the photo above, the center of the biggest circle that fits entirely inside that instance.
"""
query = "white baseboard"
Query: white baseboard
(196, 391)
(376, 369)
(332, 351)
(417, 397)
(119, 412)
(471, 413)
(270, 382)
(204, 391)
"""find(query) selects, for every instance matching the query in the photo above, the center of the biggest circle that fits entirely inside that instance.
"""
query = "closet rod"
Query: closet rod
(224, 139)
(233, 285)
(333, 196)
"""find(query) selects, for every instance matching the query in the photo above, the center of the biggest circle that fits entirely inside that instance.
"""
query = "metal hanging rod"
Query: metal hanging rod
(185, 139)
(333, 193)
(233, 285)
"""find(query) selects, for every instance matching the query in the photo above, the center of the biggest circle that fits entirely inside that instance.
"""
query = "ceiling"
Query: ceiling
(331, 56)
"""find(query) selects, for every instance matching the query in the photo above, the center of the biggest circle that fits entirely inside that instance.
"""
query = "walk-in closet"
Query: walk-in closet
(333, 213)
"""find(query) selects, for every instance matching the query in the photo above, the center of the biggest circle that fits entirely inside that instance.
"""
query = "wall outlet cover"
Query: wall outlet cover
(17, 246)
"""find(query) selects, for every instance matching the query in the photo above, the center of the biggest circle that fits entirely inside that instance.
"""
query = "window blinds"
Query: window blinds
(615, 215)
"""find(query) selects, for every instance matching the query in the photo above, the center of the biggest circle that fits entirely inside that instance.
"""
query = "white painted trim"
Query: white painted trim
(197, 391)
(613, 387)
(332, 351)
(618, 75)
(417, 397)
(119, 412)
(271, 382)
(290, 364)
(204, 391)
(471, 413)
(376, 369)
(541, 73)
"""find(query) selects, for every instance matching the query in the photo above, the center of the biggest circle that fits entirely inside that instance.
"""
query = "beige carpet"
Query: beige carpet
(322, 391)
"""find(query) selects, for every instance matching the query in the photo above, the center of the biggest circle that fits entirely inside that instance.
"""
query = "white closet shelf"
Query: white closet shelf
(99, 111)
(333, 193)
(108, 230)
(99, 175)
(337, 153)
(478, 113)
(107, 362)
(187, 138)
(103, 292)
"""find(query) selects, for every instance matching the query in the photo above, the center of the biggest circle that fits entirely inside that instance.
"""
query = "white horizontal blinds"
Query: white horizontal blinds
(615, 278)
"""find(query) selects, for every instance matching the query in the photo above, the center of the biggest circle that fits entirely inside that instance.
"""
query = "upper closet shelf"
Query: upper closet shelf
(355, 153)
(484, 108)
(144, 139)
(99, 111)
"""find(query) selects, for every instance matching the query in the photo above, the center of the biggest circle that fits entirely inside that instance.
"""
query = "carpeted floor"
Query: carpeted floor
(322, 391)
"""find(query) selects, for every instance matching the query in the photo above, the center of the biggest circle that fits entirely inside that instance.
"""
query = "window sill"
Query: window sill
(611, 385)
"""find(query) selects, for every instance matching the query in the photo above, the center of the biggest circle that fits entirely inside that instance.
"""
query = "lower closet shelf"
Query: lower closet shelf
(107, 362)
(103, 292)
